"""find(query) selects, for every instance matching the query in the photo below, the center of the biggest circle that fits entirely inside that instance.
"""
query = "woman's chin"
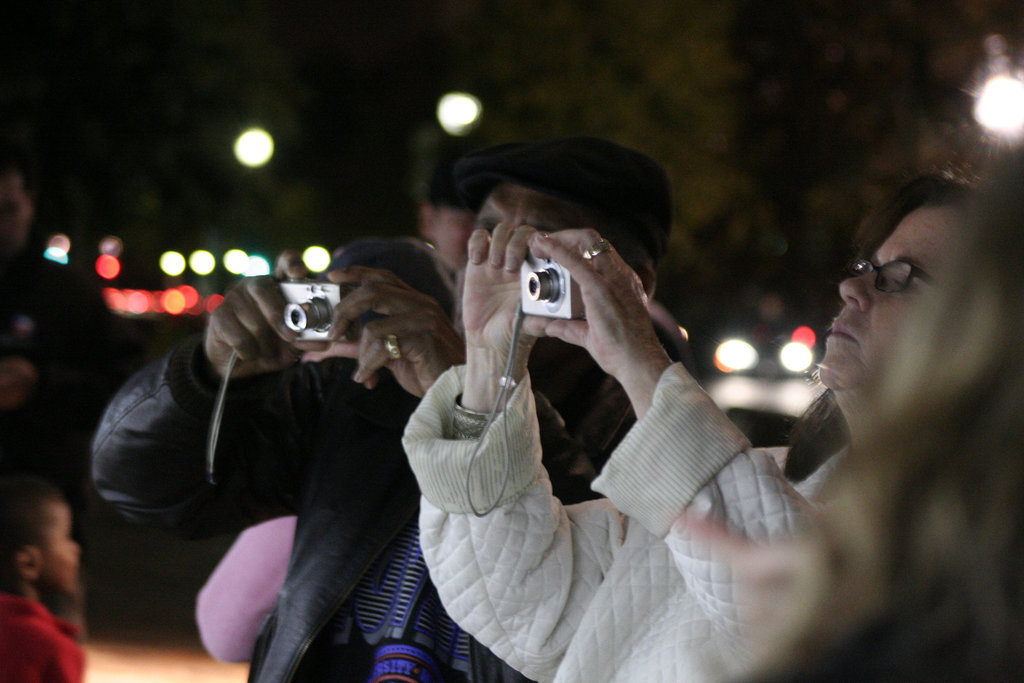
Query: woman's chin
(832, 376)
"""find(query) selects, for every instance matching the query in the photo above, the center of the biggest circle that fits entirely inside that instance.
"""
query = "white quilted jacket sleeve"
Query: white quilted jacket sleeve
(519, 578)
(681, 444)
(751, 498)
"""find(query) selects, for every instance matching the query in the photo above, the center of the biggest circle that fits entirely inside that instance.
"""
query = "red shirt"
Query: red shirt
(35, 646)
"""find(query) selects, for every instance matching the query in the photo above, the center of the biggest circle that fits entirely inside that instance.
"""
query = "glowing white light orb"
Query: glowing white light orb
(236, 261)
(458, 112)
(796, 357)
(254, 147)
(316, 259)
(172, 263)
(1000, 105)
(257, 265)
(735, 354)
(202, 262)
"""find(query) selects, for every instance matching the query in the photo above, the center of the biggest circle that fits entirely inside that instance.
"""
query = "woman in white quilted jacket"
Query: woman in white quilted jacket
(607, 590)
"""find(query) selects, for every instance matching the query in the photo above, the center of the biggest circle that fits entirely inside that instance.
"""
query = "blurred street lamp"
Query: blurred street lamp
(1000, 105)
(236, 261)
(458, 113)
(254, 147)
(172, 263)
(202, 262)
(316, 258)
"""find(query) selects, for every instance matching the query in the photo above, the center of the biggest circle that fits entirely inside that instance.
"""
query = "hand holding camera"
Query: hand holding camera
(249, 322)
(362, 313)
(309, 311)
(617, 331)
(549, 290)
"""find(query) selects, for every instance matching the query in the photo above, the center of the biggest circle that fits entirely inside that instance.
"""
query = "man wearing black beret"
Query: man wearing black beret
(585, 182)
(588, 591)
(616, 186)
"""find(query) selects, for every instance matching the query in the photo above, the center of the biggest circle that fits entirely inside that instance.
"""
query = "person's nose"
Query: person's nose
(858, 291)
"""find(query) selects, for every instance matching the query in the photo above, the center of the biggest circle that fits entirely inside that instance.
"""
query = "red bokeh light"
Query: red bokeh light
(114, 298)
(190, 294)
(107, 266)
(213, 301)
(805, 335)
(138, 301)
(173, 301)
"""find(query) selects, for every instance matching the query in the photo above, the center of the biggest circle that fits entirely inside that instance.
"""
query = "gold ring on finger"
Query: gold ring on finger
(391, 344)
(598, 247)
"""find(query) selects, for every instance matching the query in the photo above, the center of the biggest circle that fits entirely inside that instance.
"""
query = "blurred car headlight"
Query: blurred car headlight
(735, 355)
(796, 357)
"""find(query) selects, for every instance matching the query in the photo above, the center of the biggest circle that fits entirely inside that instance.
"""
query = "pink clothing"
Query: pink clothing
(241, 591)
(36, 646)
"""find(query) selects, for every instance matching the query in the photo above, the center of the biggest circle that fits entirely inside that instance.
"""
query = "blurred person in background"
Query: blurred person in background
(916, 572)
(63, 354)
(552, 588)
(442, 219)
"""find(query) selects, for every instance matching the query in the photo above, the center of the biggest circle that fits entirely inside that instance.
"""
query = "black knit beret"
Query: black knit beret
(589, 171)
(413, 261)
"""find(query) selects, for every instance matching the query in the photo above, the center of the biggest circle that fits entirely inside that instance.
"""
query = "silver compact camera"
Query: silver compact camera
(310, 307)
(547, 289)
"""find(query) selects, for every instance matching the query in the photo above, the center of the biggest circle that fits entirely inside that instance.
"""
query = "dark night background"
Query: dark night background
(781, 122)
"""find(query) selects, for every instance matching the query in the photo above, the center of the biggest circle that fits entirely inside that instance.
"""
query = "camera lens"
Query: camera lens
(314, 314)
(543, 285)
(295, 317)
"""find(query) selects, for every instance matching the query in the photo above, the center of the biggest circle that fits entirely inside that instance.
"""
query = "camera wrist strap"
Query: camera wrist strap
(506, 384)
(218, 412)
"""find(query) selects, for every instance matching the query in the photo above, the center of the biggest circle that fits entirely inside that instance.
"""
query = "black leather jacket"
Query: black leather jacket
(306, 441)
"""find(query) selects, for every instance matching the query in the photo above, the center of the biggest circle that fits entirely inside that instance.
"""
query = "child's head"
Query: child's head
(37, 553)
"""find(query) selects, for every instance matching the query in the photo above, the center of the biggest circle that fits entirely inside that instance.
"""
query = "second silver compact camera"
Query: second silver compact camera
(547, 289)
(310, 307)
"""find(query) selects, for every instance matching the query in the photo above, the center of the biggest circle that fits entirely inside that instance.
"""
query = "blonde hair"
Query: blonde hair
(925, 533)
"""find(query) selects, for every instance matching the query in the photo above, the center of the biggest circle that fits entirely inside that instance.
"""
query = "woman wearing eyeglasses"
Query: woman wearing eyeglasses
(609, 590)
(901, 249)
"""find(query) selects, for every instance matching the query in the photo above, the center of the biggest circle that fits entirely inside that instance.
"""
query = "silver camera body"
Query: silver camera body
(547, 289)
(310, 306)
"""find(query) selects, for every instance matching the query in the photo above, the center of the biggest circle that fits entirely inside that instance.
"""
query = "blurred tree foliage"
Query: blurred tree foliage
(844, 100)
(780, 122)
(653, 75)
(133, 108)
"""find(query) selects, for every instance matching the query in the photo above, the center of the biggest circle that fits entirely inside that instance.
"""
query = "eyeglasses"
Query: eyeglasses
(893, 276)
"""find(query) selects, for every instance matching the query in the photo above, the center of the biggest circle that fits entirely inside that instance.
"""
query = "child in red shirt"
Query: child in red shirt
(37, 556)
